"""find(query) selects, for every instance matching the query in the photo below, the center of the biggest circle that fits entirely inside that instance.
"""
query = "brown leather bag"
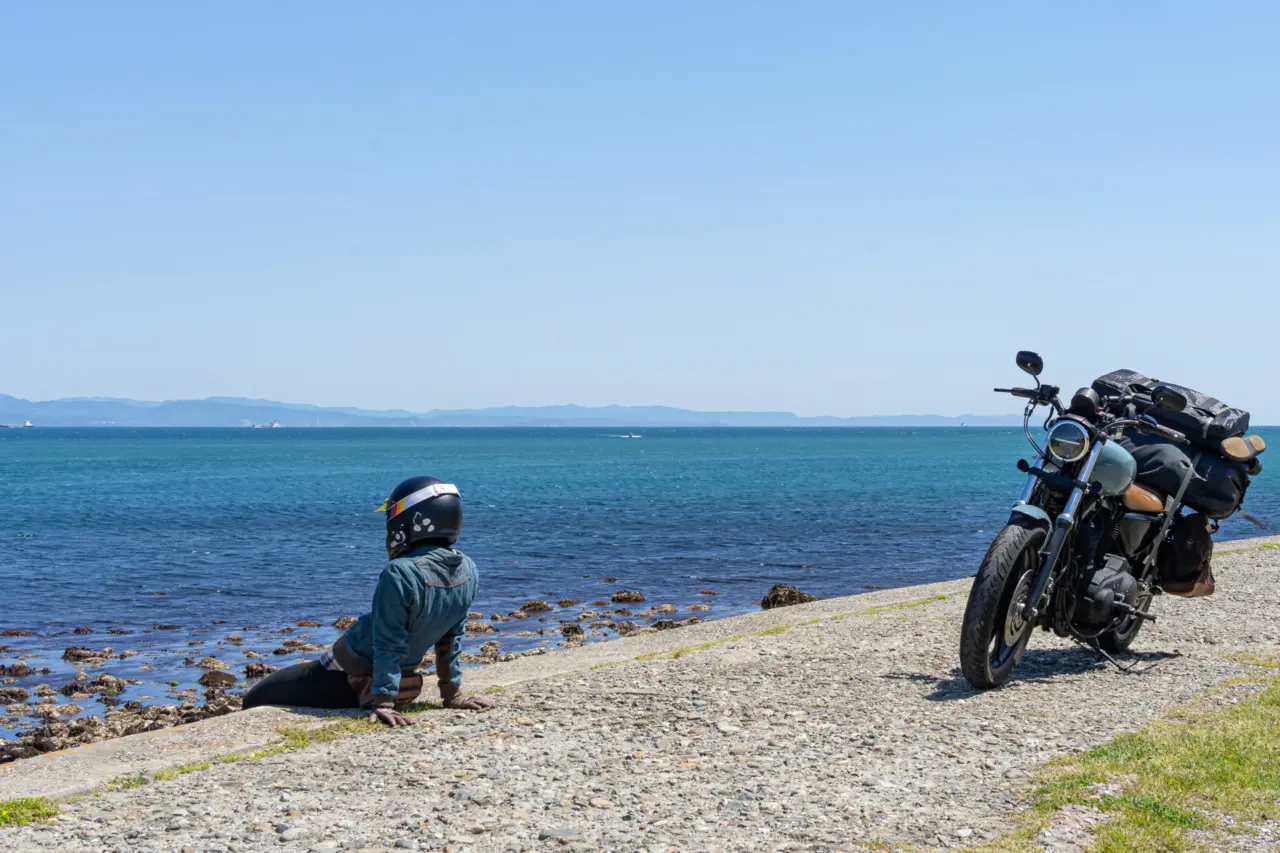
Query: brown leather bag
(1185, 568)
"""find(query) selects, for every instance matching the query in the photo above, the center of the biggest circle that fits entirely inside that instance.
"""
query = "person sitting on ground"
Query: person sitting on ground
(423, 598)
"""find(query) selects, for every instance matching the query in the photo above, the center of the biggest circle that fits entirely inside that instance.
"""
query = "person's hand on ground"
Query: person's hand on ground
(390, 716)
(451, 696)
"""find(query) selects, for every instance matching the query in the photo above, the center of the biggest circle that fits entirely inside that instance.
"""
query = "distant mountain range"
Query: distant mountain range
(234, 411)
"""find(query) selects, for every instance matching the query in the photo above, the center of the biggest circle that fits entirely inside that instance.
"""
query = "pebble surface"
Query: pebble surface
(830, 735)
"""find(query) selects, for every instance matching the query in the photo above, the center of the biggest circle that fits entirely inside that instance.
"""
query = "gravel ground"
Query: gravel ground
(832, 733)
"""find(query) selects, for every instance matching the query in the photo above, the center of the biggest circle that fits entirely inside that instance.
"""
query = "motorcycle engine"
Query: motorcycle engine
(1100, 587)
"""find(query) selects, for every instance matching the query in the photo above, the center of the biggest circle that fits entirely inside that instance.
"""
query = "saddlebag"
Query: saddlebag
(1217, 487)
(1184, 558)
(1205, 421)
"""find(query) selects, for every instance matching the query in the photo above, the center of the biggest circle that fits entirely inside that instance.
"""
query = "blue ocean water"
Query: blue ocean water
(128, 528)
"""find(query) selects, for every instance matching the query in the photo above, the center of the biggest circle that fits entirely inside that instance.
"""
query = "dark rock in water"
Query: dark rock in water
(622, 611)
(536, 605)
(871, 586)
(665, 624)
(498, 617)
(235, 639)
(490, 651)
(13, 695)
(212, 663)
(14, 632)
(625, 628)
(259, 670)
(307, 623)
(83, 631)
(569, 602)
(665, 608)
(219, 622)
(610, 580)
(707, 592)
(103, 683)
(475, 615)
(519, 614)
(17, 670)
(164, 627)
(118, 631)
(188, 661)
(697, 607)
(195, 642)
(692, 620)
(782, 595)
(78, 654)
(478, 627)
(220, 680)
(627, 596)
(572, 630)
(342, 623)
(599, 604)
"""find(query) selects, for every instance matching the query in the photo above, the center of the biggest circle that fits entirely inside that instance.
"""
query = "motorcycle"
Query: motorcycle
(1078, 555)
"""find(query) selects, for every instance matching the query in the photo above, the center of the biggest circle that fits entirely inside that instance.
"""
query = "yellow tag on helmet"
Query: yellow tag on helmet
(382, 508)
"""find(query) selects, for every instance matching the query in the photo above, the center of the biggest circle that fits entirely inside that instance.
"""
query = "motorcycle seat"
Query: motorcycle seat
(1242, 448)
(1139, 498)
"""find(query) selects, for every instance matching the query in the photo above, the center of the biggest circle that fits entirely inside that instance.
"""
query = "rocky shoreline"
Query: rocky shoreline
(45, 718)
(837, 725)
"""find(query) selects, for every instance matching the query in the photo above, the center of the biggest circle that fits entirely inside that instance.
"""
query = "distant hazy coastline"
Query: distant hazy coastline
(234, 412)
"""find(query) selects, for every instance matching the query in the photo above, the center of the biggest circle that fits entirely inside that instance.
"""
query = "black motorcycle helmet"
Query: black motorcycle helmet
(422, 510)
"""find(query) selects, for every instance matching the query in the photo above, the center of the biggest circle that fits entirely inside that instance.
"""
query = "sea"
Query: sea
(181, 537)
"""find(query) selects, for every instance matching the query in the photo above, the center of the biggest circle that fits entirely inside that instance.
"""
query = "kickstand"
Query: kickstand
(1102, 654)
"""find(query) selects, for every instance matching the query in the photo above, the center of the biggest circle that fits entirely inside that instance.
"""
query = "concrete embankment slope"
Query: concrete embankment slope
(810, 728)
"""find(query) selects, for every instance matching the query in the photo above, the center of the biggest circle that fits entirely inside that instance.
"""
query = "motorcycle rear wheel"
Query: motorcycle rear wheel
(994, 634)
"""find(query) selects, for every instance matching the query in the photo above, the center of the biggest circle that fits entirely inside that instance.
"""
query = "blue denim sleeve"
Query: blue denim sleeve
(390, 632)
(449, 654)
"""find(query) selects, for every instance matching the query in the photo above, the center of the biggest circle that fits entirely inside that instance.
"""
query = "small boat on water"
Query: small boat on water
(272, 425)
(23, 425)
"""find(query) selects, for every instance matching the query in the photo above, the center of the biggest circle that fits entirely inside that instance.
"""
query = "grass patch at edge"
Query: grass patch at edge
(1167, 781)
(26, 810)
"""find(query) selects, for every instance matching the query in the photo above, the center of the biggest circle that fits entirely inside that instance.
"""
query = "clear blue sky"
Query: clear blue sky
(827, 207)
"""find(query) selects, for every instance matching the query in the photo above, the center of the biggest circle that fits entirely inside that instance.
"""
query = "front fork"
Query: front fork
(1061, 529)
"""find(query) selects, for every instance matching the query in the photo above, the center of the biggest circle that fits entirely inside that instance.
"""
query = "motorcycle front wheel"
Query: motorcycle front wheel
(994, 633)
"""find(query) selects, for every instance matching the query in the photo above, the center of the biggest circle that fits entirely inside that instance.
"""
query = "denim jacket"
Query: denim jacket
(422, 600)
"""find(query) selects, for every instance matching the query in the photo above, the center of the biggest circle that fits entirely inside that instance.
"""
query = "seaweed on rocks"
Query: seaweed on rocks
(627, 596)
(342, 623)
(307, 623)
(259, 670)
(13, 695)
(476, 626)
(83, 631)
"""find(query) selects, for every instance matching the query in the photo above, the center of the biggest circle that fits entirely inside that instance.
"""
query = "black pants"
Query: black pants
(303, 685)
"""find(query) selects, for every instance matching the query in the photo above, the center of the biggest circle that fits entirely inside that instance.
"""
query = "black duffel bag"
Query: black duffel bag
(1217, 487)
(1205, 421)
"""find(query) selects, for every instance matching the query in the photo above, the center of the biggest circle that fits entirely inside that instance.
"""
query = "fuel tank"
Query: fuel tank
(1115, 470)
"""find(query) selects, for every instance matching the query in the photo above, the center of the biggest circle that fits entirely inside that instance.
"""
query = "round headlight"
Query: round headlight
(1068, 441)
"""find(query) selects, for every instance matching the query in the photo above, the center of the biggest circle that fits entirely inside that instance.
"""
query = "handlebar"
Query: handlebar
(1148, 424)
(1026, 393)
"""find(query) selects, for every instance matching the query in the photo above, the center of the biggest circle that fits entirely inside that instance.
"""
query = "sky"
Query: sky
(822, 207)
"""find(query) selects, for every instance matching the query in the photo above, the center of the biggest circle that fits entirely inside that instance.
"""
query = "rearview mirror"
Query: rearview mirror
(1168, 399)
(1030, 362)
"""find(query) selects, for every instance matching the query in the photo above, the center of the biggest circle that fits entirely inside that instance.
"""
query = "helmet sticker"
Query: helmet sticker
(435, 490)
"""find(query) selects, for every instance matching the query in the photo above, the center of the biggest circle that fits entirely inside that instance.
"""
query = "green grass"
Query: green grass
(607, 663)
(1176, 776)
(902, 605)
(497, 688)
(25, 811)
(769, 632)
(810, 622)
